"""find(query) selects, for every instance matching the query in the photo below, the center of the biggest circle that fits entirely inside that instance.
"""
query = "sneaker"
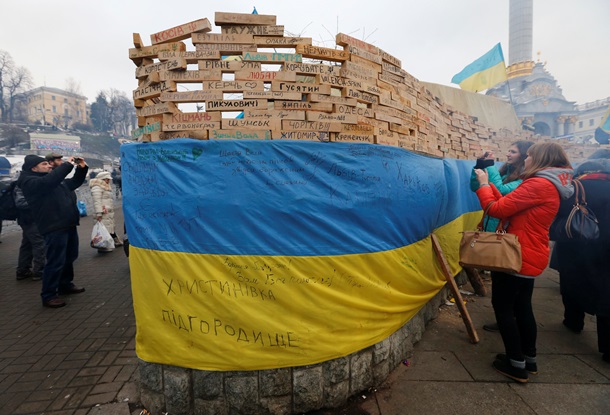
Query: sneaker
(36, 276)
(508, 370)
(117, 242)
(530, 367)
(24, 275)
(54, 303)
(72, 290)
(491, 327)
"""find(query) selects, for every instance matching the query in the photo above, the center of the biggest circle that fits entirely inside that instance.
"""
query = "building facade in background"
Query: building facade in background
(56, 107)
(535, 94)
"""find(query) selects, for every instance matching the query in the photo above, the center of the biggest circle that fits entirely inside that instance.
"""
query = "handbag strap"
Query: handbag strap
(499, 228)
(580, 198)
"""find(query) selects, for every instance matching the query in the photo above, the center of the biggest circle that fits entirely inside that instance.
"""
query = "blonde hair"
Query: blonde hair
(545, 155)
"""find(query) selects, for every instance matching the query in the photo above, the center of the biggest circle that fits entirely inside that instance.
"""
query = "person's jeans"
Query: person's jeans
(31, 251)
(62, 251)
(511, 297)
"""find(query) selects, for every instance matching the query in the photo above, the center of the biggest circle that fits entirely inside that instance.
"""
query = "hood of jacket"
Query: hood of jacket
(561, 177)
(98, 182)
(593, 166)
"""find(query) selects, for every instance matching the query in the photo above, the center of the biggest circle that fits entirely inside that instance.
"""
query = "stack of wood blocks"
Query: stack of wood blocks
(252, 82)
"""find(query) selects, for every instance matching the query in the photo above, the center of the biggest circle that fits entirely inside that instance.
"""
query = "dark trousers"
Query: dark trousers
(511, 297)
(62, 251)
(31, 251)
(575, 319)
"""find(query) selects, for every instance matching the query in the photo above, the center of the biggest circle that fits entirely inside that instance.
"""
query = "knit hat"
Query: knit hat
(103, 175)
(30, 161)
(53, 156)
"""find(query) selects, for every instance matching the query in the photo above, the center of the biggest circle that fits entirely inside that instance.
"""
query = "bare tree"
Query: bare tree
(6, 68)
(122, 112)
(19, 82)
(13, 81)
(73, 86)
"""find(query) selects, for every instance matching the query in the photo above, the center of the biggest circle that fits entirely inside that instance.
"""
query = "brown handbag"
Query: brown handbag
(493, 251)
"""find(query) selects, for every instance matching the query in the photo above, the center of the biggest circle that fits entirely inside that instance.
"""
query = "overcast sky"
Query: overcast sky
(89, 40)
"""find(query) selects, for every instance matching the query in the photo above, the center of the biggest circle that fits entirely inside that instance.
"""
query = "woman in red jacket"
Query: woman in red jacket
(529, 211)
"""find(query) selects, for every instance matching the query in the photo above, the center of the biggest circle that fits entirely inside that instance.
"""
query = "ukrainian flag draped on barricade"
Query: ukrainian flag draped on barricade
(251, 255)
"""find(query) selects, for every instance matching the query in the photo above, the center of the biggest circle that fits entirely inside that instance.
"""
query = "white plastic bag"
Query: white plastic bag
(100, 237)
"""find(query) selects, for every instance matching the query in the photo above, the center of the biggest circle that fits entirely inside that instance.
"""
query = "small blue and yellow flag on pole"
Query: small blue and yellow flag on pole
(485, 72)
(605, 124)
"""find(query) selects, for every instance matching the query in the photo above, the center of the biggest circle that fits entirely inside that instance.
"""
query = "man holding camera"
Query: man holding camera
(53, 202)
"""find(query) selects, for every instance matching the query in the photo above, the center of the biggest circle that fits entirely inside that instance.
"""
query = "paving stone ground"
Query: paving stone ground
(80, 359)
(75, 360)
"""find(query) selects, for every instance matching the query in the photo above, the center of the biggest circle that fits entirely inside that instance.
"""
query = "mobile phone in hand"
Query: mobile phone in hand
(483, 163)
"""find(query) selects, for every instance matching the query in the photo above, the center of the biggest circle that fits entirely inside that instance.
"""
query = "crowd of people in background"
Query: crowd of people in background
(47, 213)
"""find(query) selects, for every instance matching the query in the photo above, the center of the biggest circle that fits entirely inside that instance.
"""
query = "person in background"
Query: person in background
(505, 179)
(53, 202)
(584, 266)
(103, 203)
(529, 210)
(55, 160)
(31, 252)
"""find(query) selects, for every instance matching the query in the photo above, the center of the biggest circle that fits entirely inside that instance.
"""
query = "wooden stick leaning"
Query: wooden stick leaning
(472, 333)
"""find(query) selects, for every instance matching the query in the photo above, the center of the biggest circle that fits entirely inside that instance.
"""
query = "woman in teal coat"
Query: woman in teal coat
(505, 179)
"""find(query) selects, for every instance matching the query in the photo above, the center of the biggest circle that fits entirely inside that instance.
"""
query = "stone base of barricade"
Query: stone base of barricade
(180, 391)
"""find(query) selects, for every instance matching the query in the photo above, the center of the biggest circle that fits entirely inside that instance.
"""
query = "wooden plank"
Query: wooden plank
(198, 135)
(346, 40)
(280, 115)
(137, 41)
(191, 76)
(318, 52)
(221, 38)
(266, 76)
(147, 129)
(287, 96)
(153, 51)
(281, 42)
(282, 86)
(255, 124)
(472, 332)
(245, 134)
(338, 81)
(190, 117)
(358, 128)
(191, 56)
(154, 109)
(229, 66)
(233, 86)
(271, 57)
(290, 125)
(353, 110)
(303, 106)
(226, 48)
(365, 62)
(389, 58)
(190, 96)
(360, 96)
(373, 57)
(181, 32)
(325, 116)
(331, 98)
(153, 90)
(168, 65)
(254, 30)
(236, 104)
(353, 138)
(323, 136)
(151, 119)
(191, 126)
(310, 69)
(223, 18)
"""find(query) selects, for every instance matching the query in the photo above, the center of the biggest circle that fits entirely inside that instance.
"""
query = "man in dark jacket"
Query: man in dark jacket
(31, 252)
(53, 202)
